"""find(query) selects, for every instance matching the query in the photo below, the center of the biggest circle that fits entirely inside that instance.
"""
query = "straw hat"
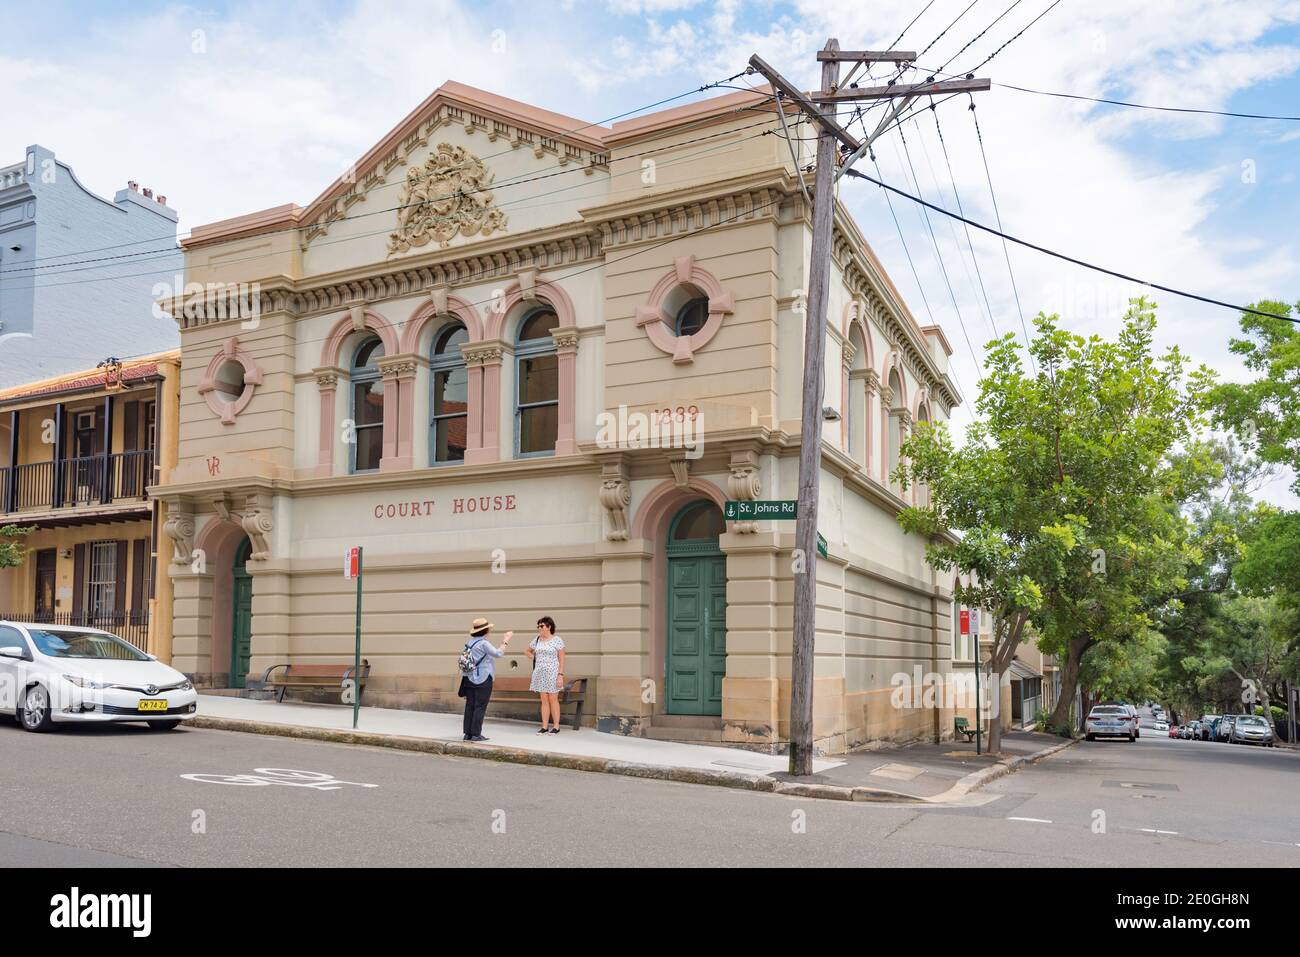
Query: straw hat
(478, 624)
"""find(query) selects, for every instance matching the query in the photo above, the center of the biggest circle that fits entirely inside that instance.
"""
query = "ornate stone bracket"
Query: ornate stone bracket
(744, 485)
(615, 496)
(258, 522)
(180, 529)
(681, 466)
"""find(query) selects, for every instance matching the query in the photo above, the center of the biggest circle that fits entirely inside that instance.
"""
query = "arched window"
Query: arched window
(448, 428)
(367, 406)
(537, 384)
(895, 427)
(697, 522)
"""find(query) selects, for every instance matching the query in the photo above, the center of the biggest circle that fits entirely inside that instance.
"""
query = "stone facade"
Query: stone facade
(668, 256)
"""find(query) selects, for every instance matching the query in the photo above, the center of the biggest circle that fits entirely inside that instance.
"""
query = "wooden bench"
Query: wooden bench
(313, 676)
(516, 689)
(963, 726)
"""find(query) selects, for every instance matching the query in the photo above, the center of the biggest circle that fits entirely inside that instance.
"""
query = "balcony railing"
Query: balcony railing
(46, 486)
(131, 626)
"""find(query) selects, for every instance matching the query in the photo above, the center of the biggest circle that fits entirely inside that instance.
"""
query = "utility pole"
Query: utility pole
(831, 137)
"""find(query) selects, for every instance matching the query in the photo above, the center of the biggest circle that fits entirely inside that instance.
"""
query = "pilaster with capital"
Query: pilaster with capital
(483, 419)
(258, 521)
(399, 405)
(566, 355)
(327, 379)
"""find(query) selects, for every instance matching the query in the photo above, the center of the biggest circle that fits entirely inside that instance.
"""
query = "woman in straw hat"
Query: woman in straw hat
(476, 687)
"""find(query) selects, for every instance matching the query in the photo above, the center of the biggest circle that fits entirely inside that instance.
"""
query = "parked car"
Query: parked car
(1174, 730)
(1137, 724)
(1207, 726)
(1224, 727)
(1109, 721)
(1162, 724)
(1185, 732)
(57, 674)
(1251, 729)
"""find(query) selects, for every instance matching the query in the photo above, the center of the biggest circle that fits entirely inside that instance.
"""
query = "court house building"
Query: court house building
(524, 361)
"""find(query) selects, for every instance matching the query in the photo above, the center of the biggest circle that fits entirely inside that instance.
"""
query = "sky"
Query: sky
(231, 107)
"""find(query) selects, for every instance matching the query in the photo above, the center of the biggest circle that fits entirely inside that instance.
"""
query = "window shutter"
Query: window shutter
(78, 578)
(131, 427)
(140, 554)
(119, 578)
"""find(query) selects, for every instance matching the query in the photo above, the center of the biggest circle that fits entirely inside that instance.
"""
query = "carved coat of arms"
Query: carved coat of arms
(444, 197)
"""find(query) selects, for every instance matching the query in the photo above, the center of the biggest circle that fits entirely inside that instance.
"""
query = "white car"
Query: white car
(1109, 721)
(1162, 724)
(54, 674)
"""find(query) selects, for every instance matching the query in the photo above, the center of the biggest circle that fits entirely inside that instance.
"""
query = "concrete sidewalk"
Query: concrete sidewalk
(927, 773)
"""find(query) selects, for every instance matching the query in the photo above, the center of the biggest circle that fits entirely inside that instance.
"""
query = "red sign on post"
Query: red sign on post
(352, 563)
(965, 621)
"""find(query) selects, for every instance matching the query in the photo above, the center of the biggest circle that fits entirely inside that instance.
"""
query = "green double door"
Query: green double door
(697, 633)
(241, 620)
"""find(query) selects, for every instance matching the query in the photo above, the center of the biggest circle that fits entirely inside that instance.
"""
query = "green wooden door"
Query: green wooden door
(697, 613)
(241, 620)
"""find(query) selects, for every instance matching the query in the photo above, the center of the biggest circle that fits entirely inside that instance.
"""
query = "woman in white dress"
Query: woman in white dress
(547, 652)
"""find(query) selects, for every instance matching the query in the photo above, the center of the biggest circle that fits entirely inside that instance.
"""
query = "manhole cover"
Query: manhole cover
(1139, 785)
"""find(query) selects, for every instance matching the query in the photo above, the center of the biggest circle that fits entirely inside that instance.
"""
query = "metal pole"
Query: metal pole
(1290, 710)
(356, 667)
(810, 439)
(979, 722)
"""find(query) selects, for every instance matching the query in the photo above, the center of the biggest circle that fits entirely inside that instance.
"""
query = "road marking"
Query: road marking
(1152, 830)
(286, 777)
(1031, 820)
(1281, 844)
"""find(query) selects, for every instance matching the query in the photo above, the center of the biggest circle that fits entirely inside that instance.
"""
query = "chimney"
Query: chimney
(148, 193)
(133, 185)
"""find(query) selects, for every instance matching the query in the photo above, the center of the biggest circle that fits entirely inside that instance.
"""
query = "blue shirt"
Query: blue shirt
(484, 654)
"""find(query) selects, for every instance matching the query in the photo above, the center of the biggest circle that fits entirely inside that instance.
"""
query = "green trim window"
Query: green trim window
(537, 385)
(448, 427)
(367, 406)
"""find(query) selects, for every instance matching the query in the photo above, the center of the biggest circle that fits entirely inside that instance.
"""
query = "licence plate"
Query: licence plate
(157, 704)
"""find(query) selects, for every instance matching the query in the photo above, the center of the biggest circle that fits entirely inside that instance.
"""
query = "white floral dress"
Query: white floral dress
(546, 664)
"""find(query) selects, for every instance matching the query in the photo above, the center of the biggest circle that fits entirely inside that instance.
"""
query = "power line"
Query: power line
(1071, 259)
(172, 237)
(1006, 251)
(910, 25)
(1137, 106)
(981, 33)
(1148, 106)
(944, 31)
(1014, 38)
(58, 269)
(969, 245)
(979, 372)
(586, 269)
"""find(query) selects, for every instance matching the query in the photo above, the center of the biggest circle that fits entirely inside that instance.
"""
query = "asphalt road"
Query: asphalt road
(117, 796)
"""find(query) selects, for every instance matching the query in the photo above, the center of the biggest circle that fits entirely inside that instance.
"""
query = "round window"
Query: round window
(229, 380)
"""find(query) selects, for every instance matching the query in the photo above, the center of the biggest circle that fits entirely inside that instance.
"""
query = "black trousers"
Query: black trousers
(476, 702)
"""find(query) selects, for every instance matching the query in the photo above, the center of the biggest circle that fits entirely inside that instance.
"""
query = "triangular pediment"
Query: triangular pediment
(500, 119)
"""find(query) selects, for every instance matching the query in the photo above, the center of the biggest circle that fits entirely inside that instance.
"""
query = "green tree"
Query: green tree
(13, 547)
(1061, 468)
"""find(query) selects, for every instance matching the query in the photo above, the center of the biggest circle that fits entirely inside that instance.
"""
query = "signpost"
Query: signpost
(352, 569)
(970, 624)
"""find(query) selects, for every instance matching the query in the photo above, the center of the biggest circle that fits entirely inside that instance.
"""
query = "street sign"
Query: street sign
(778, 511)
(352, 571)
(821, 546)
(965, 621)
